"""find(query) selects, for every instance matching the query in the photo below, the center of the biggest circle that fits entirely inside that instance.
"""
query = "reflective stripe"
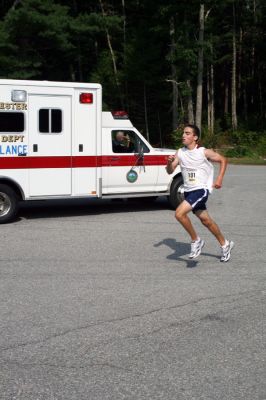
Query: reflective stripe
(201, 198)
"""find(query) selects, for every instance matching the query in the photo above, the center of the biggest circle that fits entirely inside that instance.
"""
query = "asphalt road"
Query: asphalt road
(98, 300)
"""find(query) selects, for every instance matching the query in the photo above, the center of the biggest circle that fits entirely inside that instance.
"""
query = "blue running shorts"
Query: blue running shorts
(197, 199)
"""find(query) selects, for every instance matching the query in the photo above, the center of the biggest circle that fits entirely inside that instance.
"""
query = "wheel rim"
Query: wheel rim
(5, 204)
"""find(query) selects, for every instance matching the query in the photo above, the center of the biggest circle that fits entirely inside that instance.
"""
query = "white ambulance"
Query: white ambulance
(55, 143)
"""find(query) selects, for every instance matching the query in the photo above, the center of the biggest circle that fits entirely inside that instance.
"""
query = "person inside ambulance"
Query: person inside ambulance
(122, 143)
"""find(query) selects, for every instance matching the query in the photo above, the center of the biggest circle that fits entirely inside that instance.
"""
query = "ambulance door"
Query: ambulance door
(49, 145)
(128, 167)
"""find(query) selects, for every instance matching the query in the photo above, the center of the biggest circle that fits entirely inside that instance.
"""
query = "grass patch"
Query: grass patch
(246, 161)
(243, 155)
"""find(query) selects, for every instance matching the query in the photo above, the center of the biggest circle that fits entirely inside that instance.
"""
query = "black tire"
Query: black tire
(8, 203)
(175, 197)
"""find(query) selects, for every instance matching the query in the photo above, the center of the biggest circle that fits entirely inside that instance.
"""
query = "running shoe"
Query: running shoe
(226, 251)
(196, 248)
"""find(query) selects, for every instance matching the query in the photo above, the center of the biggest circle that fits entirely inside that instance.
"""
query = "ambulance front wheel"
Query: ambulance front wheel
(8, 204)
(176, 194)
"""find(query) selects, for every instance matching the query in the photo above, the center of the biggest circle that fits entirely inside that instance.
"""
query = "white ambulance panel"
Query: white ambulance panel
(49, 126)
(86, 141)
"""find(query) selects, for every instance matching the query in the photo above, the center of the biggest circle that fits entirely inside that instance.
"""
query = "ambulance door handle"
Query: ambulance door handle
(35, 148)
(115, 158)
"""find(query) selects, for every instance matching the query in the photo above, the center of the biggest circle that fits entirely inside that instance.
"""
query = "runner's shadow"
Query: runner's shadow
(180, 249)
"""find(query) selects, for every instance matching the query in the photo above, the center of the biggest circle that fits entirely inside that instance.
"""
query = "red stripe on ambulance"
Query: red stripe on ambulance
(80, 161)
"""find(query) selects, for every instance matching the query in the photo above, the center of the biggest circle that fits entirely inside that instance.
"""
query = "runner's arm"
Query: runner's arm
(216, 157)
(172, 163)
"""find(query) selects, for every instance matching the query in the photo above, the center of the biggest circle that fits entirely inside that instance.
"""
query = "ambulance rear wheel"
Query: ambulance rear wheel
(176, 195)
(8, 203)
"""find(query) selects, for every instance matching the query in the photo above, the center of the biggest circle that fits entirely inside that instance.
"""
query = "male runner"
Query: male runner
(197, 174)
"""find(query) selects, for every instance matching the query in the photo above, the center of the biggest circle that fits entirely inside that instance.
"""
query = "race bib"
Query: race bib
(190, 176)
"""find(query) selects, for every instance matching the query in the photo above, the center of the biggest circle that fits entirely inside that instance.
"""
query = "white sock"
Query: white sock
(226, 244)
(197, 240)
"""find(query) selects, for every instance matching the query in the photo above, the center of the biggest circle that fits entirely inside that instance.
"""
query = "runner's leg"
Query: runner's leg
(206, 220)
(181, 215)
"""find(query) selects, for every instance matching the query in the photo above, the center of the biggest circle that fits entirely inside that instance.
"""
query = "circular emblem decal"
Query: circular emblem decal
(132, 176)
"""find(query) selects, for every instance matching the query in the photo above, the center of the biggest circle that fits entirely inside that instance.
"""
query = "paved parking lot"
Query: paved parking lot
(98, 300)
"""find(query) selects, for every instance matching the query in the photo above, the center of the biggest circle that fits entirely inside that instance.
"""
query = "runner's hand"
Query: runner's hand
(170, 159)
(218, 183)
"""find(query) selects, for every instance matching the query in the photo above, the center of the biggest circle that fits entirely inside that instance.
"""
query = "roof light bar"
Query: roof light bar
(120, 114)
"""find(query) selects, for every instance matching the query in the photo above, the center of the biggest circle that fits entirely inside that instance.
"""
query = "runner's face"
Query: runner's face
(188, 137)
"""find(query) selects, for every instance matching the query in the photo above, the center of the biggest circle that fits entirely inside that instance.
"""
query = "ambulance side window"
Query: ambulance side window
(12, 122)
(50, 120)
(124, 141)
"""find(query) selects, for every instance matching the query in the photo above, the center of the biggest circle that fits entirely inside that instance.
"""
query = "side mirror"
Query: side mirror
(140, 149)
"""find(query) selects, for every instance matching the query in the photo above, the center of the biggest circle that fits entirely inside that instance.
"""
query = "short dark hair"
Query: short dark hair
(195, 129)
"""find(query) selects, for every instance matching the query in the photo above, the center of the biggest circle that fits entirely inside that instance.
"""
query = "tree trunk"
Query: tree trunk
(245, 103)
(160, 129)
(109, 42)
(181, 107)
(253, 53)
(209, 98)
(226, 96)
(190, 104)
(261, 100)
(239, 86)
(124, 52)
(124, 24)
(72, 73)
(200, 68)
(15, 4)
(79, 58)
(173, 78)
(233, 89)
(146, 113)
(212, 100)
(210, 95)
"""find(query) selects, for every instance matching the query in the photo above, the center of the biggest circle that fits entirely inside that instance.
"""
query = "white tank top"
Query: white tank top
(196, 170)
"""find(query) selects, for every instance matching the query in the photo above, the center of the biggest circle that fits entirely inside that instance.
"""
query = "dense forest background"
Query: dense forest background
(166, 62)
